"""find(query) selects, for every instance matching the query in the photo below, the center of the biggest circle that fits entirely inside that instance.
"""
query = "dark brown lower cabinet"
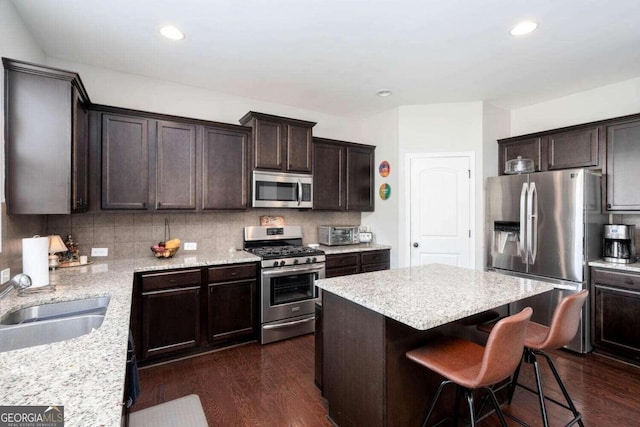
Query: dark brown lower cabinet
(357, 262)
(616, 312)
(232, 303)
(176, 313)
(170, 312)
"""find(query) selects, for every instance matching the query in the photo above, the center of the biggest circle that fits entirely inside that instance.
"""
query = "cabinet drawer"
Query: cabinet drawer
(374, 267)
(236, 272)
(625, 280)
(337, 261)
(178, 279)
(345, 271)
(375, 257)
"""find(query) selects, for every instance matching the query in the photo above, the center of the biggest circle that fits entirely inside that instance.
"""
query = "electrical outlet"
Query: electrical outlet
(5, 276)
(190, 246)
(99, 252)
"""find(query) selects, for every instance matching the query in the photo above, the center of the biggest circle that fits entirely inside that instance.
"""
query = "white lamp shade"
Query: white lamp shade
(56, 244)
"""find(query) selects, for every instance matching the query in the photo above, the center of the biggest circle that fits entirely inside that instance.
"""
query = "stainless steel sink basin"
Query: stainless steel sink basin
(57, 310)
(48, 331)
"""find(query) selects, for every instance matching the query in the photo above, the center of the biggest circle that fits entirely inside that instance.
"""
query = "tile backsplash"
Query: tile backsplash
(130, 235)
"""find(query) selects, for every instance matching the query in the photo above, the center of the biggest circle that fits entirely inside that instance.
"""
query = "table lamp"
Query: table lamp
(55, 245)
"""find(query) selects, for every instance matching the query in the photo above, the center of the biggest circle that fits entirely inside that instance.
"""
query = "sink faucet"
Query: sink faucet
(18, 282)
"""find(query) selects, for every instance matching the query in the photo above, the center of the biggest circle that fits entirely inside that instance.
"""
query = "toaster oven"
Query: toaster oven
(332, 235)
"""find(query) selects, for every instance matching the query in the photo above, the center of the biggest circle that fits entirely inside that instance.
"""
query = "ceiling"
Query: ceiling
(332, 56)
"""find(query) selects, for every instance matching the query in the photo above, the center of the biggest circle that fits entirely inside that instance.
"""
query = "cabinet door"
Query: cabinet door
(342, 264)
(329, 176)
(175, 166)
(269, 148)
(170, 320)
(530, 148)
(574, 149)
(79, 156)
(232, 310)
(125, 162)
(299, 148)
(225, 169)
(623, 173)
(360, 179)
(617, 318)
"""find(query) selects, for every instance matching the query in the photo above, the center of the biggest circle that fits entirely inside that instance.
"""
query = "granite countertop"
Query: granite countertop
(431, 295)
(634, 267)
(86, 374)
(344, 249)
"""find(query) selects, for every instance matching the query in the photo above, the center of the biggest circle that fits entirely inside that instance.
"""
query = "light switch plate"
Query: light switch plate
(99, 252)
(190, 246)
(5, 276)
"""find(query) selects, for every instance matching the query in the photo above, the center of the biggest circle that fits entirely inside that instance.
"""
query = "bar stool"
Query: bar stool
(471, 366)
(564, 325)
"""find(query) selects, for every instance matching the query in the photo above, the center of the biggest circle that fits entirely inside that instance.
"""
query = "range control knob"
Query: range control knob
(282, 263)
(313, 259)
(308, 260)
(275, 263)
(295, 261)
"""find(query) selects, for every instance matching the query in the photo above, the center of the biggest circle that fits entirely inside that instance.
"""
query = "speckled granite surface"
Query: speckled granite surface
(86, 374)
(634, 268)
(428, 296)
(344, 249)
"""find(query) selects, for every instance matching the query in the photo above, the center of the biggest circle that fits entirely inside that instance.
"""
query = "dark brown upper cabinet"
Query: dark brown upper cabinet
(280, 143)
(125, 162)
(574, 149)
(46, 133)
(225, 176)
(343, 175)
(623, 161)
(175, 172)
(567, 148)
(159, 162)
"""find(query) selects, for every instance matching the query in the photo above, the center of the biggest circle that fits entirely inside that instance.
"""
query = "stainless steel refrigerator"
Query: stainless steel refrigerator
(546, 226)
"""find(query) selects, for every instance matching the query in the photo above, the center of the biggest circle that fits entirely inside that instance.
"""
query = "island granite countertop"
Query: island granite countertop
(431, 295)
(86, 374)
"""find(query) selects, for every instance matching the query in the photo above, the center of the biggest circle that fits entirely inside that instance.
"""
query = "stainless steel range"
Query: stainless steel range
(287, 284)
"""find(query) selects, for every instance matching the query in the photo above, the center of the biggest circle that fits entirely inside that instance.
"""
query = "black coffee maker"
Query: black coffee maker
(619, 243)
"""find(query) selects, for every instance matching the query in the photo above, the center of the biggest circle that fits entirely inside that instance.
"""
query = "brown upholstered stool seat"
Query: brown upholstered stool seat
(472, 366)
(564, 326)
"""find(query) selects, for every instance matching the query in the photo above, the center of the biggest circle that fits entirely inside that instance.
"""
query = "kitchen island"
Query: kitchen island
(371, 320)
(86, 374)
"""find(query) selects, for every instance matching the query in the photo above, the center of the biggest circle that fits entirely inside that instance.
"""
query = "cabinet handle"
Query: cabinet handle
(235, 273)
(608, 205)
(172, 281)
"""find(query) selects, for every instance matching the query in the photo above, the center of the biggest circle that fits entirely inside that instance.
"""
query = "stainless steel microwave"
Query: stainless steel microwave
(332, 235)
(282, 190)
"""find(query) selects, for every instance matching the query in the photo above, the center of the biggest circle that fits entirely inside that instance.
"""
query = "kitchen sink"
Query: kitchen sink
(57, 310)
(31, 334)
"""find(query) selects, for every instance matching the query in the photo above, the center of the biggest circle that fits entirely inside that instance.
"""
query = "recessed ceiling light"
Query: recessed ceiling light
(171, 32)
(524, 27)
(383, 92)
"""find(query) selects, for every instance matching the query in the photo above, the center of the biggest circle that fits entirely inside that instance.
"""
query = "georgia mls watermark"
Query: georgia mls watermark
(31, 416)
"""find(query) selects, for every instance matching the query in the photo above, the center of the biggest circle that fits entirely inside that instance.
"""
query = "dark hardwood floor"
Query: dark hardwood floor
(272, 385)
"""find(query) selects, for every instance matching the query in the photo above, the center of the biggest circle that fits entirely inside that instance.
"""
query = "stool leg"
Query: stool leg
(543, 408)
(514, 381)
(496, 405)
(455, 407)
(573, 408)
(469, 394)
(435, 399)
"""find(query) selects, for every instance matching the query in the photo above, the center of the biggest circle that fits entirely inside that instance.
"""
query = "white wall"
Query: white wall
(605, 102)
(382, 131)
(119, 89)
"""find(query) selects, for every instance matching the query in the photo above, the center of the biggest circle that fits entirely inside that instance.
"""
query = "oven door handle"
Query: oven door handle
(268, 273)
(286, 325)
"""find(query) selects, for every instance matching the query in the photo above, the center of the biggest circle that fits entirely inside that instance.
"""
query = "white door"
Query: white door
(440, 210)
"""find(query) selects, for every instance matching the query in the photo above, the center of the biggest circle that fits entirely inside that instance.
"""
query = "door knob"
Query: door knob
(416, 244)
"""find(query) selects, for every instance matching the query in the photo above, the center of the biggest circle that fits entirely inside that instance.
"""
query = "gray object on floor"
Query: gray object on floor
(185, 412)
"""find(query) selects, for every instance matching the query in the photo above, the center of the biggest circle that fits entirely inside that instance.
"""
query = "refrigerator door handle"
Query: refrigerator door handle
(523, 235)
(532, 222)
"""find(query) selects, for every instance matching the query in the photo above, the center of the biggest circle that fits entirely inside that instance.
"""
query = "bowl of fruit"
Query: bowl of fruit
(166, 249)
